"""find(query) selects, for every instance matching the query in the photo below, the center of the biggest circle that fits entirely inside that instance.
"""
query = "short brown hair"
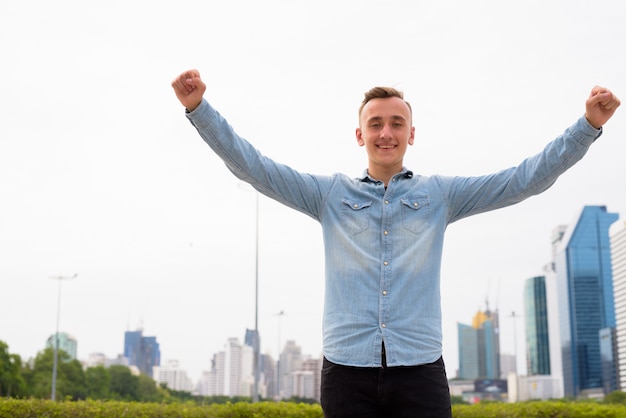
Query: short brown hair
(382, 93)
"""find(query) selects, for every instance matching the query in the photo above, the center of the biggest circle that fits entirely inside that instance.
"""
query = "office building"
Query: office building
(554, 312)
(313, 367)
(536, 320)
(231, 372)
(479, 347)
(173, 376)
(142, 352)
(617, 234)
(66, 342)
(290, 362)
(585, 298)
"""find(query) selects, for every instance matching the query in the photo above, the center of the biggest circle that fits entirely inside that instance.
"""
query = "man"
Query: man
(383, 236)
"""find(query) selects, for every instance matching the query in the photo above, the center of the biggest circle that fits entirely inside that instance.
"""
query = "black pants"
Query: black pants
(385, 392)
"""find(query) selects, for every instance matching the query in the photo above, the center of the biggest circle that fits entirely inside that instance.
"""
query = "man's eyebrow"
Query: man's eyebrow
(379, 118)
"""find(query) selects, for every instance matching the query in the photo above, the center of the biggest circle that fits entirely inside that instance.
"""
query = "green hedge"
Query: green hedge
(114, 409)
(540, 409)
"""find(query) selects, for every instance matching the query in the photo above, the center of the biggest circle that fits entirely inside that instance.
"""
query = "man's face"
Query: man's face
(385, 129)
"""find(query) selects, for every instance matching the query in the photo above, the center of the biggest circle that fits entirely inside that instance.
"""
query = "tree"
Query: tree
(70, 376)
(12, 383)
(123, 385)
(148, 391)
(617, 397)
(98, 382)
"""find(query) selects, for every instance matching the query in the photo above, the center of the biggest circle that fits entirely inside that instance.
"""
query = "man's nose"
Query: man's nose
(385, 132)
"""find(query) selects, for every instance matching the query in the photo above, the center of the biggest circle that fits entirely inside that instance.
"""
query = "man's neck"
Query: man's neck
(383, 175)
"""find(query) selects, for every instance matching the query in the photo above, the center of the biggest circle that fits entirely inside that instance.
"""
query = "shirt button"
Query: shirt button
(386, 202)
(384, 325)
(384, 293)
(416, 204)
(386, 232)
(386, 263)
(355, 206)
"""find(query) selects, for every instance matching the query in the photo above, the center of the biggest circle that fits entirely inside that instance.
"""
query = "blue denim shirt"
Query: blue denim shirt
(383, 246)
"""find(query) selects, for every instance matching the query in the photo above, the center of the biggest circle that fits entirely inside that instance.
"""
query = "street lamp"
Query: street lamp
(56, 336)
(256, 347)
(255, 396)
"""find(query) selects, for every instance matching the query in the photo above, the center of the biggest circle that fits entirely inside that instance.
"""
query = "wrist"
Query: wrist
(593, 123)
(193, 106)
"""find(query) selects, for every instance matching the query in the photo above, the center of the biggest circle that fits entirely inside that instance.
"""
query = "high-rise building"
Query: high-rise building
(608, 359)
(479, 347)
(253, 340)
(312, 366)
(536, 320)
(290, 362)
(268, 371)
(231, 371)
(507, 365)
(173, 376)
(585, 293)
(66, 343)
(142, 352)
(554, 315)
(617, 234)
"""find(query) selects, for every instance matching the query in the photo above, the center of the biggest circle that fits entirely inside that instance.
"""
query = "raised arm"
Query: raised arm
(600, 106)
(189, 89)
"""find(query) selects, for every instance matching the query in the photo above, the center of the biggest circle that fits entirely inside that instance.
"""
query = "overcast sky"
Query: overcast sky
(102, 175)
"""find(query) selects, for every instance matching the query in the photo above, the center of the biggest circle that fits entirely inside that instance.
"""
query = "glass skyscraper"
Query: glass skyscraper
(586, 305)
(479, 347)
(67, 343)
(141, 351)
(536, 319)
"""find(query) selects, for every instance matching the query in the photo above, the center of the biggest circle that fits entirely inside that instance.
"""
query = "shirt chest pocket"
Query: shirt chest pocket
(355, 215)
(415, 213)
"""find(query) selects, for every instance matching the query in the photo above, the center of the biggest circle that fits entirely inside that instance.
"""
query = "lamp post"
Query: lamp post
(256, 344)
(255, 396)
(56, 336)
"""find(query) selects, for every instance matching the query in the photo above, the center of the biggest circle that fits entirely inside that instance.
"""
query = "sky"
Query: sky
(102, 176)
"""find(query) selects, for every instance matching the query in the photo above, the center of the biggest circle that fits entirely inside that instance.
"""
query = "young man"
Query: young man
(383, 236)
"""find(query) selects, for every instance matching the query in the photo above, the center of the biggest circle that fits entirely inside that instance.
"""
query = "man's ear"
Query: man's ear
(412, 136)
(359, 137)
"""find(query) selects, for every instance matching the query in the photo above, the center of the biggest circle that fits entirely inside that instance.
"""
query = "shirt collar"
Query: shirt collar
(405, 173)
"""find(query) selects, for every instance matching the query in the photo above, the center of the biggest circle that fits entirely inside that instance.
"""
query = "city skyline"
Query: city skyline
(134, 341)
(102, 175)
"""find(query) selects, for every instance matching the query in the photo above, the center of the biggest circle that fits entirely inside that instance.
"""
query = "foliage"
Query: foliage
(113, 409)
(617, 397)
(98, 382)
(552, 409)
(27, 408)
(123, 385)
(298, 399)
(457, 400)
(70, 376)
(12, 382)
